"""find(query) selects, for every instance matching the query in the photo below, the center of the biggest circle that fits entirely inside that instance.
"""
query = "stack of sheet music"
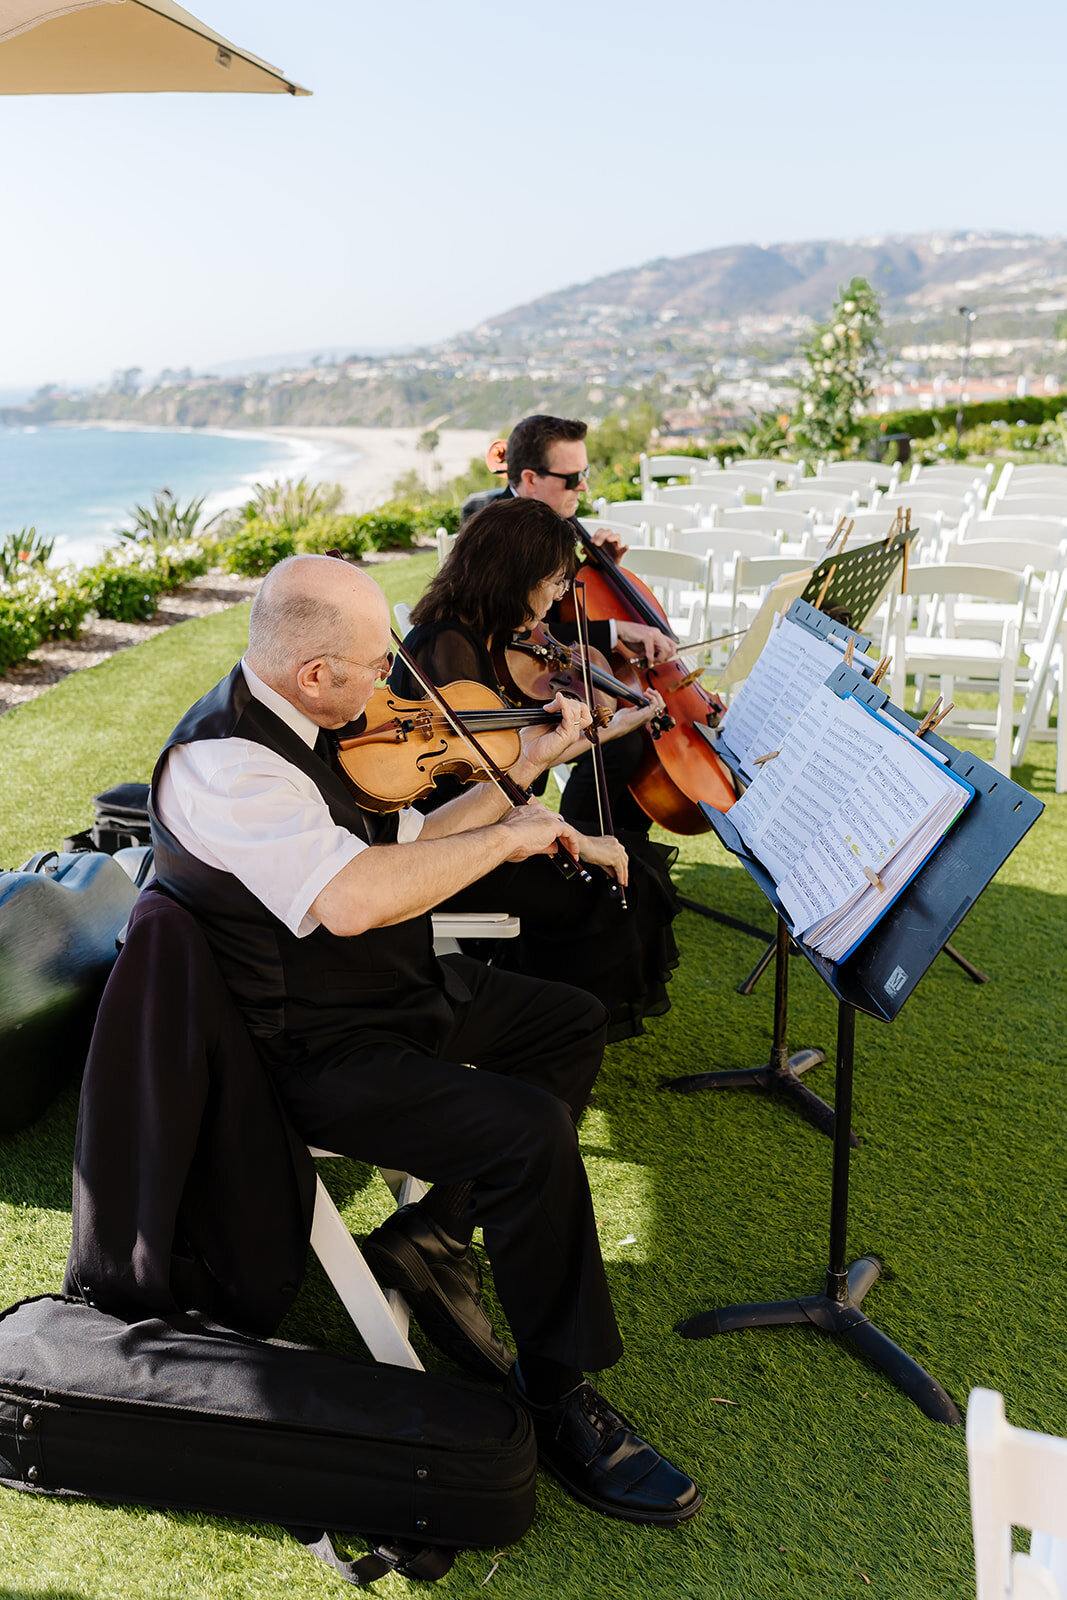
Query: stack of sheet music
(792, 665)
(843, 816)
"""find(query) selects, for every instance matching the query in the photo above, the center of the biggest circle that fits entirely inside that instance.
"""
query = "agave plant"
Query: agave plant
(18, 551)
(164, 521)
(292, 504)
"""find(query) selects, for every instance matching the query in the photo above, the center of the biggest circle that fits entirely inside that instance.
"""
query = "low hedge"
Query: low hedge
(127, 581)
(1031, 409)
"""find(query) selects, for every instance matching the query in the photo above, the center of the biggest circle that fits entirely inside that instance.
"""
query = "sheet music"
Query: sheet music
(818, 764)
(847, 791)
(792, 666)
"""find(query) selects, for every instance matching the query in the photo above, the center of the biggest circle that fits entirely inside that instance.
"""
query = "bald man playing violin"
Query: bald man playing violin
(317, 912)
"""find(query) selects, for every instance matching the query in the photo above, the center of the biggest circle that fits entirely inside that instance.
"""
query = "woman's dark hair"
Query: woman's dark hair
(498, 559)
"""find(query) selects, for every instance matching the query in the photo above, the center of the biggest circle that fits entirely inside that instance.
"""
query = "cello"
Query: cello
(679, 768)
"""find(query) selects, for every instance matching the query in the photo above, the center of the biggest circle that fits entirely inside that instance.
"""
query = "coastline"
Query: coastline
(366, 462)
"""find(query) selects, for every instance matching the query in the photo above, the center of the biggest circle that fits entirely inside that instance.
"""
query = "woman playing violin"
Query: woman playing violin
(508, 566)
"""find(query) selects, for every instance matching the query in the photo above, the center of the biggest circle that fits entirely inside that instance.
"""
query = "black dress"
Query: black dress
(572, 931)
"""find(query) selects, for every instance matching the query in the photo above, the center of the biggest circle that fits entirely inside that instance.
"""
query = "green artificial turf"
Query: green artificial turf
(820, 1478)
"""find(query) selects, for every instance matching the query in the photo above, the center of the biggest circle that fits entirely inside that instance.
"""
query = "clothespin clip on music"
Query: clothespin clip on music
(762, 760)
(850, 651)
(881, 670)
(931, 718)
(873, 878)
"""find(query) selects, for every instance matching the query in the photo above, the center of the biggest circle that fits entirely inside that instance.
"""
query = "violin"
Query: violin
(535, 666)
(405, 746)
(680, 768)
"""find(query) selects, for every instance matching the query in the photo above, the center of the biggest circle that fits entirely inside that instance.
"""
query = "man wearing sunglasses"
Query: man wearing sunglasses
(547, 461)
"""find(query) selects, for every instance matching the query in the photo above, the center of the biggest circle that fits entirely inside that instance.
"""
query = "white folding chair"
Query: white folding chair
(807, 497)
(700, 498)
(948, 654)
(724, 546)
(1018, 1478)
(1047, 504)
(952, 503)
(960, 474)
(656, 514)
(1001, 523)
(1048, 679)
(767, 518)
(670, 467)
(787, 472)
(444, 542)
(680, 581)
(751, 577)
(882, 474)
(749, 481)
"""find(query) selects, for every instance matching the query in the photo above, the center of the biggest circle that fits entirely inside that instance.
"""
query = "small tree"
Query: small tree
(843, 357)
(428, 444)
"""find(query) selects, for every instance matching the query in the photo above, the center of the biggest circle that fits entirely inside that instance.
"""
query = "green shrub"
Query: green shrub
(257, 546)
(19, 629)
(125, 584)
(923, 424)
(328, 532)
(393, 526)
(63, 602)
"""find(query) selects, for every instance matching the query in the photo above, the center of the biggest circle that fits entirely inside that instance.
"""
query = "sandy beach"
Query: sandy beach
(366, 462)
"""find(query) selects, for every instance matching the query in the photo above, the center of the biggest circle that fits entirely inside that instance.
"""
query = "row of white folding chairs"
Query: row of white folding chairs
(666, 469)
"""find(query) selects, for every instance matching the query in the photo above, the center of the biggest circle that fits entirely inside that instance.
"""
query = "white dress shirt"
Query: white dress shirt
(244, 809)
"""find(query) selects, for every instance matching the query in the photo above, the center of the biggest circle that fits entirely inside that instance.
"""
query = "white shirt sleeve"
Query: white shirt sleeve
(242, 808)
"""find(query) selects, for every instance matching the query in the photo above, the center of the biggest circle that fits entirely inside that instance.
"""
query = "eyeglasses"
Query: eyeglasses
(562, 586)
(381, 668)
(569, 480)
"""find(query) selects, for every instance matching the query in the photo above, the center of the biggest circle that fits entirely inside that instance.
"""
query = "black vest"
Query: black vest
(308, 994)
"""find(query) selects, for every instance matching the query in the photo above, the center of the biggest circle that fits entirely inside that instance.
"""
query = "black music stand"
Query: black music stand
(855, 582)
(781, 1074)
(877, 979)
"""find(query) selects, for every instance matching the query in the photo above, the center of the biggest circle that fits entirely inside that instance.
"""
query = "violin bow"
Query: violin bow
(506, 784)
(603, 801)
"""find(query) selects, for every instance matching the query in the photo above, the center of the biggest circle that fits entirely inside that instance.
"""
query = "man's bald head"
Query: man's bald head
(310, 607)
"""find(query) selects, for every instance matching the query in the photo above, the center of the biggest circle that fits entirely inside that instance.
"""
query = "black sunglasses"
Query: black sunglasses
(569, 480)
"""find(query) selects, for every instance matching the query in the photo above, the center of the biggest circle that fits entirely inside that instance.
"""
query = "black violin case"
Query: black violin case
(60, 917)
(179, 1412)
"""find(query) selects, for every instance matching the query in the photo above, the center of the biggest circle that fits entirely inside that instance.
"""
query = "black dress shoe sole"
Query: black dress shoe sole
(402, 1266)
(611, 1508)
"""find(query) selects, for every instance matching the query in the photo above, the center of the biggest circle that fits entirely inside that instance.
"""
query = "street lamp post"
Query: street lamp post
(968, 314)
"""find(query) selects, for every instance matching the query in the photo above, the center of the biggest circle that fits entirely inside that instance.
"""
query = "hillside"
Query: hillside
(672, 331)
(917, 276)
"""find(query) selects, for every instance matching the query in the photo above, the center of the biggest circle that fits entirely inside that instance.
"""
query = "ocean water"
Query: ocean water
(78, 484)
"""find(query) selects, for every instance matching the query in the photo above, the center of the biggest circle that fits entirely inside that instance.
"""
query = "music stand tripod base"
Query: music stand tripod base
(781, 1075)
(837, 1311)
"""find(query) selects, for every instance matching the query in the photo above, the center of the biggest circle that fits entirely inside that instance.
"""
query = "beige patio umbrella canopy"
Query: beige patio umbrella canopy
(123, 46)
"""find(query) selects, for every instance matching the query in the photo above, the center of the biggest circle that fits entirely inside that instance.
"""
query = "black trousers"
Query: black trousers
(509, 1126)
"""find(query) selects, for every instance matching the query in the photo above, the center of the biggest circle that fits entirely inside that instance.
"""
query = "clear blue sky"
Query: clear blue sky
(459, 159)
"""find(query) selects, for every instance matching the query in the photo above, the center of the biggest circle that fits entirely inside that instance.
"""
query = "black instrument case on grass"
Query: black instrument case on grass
(183, 1413)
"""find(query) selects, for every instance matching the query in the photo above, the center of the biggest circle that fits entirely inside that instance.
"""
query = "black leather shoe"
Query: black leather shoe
(439, 1280)
(597, 1456)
